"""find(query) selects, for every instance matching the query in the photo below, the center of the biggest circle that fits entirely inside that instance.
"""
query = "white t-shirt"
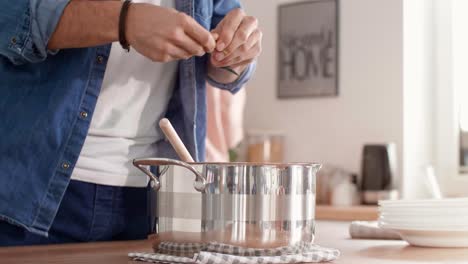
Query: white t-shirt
(134, 96)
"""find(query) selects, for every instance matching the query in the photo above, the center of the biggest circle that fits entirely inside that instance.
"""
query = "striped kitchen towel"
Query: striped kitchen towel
(216, 253)
(180, 249)
(370, 230)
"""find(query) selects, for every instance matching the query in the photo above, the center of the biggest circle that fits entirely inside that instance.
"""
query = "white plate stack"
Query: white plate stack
(429, 223)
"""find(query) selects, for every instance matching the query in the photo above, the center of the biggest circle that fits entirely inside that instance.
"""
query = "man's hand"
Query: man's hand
(163, 34)
(239, 41)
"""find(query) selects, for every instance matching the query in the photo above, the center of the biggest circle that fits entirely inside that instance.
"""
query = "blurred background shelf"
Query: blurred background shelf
(346, 213)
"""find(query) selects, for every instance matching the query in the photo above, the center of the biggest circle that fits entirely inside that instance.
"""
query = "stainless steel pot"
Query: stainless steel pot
(246, 204)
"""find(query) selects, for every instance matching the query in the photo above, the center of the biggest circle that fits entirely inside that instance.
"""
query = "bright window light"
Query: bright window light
(460, 59)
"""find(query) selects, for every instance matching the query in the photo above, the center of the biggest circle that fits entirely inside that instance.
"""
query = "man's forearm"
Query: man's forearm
(87, 24)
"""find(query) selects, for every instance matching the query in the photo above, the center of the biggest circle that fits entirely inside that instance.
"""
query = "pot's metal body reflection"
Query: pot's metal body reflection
(255, 205)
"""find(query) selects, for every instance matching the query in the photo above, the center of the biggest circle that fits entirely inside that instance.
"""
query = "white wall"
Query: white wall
(369, 108)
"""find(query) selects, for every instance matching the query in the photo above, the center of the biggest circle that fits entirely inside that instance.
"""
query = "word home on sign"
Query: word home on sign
(308, 56)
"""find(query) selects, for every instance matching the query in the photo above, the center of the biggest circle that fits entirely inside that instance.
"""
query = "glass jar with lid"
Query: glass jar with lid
(265, 146)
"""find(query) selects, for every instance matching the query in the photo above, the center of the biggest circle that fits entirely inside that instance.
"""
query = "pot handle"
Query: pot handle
(200, 181)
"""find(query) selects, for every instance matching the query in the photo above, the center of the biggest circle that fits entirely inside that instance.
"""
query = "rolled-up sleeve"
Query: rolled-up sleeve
(235, 86)
(27, 26)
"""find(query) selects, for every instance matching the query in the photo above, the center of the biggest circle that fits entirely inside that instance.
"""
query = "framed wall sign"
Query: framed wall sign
(308, 49)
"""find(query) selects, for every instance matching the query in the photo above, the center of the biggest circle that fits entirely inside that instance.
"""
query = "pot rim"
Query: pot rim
(201, 177)
(275, 164)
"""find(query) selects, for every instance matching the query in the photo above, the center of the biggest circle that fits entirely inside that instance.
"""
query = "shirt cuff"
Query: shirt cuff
(236, 85)
(35, 29)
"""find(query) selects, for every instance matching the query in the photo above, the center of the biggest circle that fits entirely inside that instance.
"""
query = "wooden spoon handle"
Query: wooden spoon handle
(175, 140)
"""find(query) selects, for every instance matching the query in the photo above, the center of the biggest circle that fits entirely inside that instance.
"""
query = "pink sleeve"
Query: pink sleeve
(224, 122)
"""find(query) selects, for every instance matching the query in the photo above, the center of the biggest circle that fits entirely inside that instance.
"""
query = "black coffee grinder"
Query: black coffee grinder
(378, 172)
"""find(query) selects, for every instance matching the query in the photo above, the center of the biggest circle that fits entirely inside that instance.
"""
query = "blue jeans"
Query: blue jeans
(90, 212)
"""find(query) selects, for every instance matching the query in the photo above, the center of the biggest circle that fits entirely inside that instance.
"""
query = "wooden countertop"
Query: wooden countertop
(346, 213)
(329, 234)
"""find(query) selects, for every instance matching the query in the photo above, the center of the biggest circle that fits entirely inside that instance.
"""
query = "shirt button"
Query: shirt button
(65, 166)
(13, 40)
(84, 114)
(100, 59)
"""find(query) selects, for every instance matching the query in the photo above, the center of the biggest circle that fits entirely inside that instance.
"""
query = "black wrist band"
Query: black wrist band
(122, 25)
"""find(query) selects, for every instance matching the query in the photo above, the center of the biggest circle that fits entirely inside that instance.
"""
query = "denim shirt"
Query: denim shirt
(47, 101)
